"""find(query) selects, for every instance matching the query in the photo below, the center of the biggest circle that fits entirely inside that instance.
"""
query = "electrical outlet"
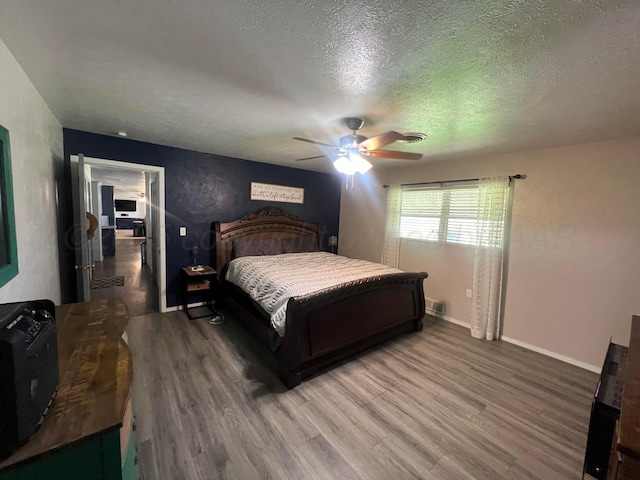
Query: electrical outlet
(183, 231)
(469, 293)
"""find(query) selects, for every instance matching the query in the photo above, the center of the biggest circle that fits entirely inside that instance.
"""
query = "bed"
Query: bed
(320, 327)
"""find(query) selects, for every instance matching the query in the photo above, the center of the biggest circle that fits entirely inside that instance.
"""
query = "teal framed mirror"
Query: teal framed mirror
(8, 245)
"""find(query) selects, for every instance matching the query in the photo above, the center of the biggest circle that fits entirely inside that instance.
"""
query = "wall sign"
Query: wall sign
(276, 193)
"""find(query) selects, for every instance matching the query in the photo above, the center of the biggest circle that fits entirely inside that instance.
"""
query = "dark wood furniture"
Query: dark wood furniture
(625, 458)
(139, 228)
(199, 281)
(326, 326)
(128, 223)
(87, 432)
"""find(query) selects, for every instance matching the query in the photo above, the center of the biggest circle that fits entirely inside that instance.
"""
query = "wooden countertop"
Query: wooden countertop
(96, 374)
(629, 436)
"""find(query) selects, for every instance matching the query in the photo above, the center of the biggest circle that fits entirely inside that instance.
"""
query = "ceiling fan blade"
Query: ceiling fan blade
(392, 154)
(314, 142)
(380, 140)
(310, 158)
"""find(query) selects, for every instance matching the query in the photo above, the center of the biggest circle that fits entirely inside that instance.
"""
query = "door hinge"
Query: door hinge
(85, 267)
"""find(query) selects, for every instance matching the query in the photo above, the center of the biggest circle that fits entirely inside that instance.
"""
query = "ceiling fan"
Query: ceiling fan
(353, 147)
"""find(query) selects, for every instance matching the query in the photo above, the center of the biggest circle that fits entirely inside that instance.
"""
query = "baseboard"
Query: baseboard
(557, 356)
(450, 319)
(175, 308)
(528, 346)
(455, 320)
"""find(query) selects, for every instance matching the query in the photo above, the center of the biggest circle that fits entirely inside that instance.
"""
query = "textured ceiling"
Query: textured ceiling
(242, 77)
(127, 184)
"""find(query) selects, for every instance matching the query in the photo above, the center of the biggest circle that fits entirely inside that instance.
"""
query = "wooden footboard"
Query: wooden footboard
(329, 325)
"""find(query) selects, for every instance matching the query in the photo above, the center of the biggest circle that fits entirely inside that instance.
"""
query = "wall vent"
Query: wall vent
(434, 306)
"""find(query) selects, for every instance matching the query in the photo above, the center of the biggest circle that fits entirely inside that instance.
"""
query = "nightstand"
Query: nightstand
(199, 281)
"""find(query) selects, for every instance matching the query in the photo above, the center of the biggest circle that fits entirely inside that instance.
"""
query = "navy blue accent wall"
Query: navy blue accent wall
(203, 188)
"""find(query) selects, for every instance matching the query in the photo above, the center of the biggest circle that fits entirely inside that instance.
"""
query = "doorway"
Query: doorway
(127, 253)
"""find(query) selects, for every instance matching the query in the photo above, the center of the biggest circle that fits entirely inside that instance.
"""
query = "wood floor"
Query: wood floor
(432, 405)
(139, 292)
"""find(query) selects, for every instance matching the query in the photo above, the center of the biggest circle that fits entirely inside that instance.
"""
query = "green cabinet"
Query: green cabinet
(97, 458)
(129, 462)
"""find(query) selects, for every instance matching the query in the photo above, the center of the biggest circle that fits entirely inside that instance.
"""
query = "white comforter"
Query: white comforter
(271, 280)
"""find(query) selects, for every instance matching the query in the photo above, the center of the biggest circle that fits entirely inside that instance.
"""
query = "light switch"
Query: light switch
(183, 231)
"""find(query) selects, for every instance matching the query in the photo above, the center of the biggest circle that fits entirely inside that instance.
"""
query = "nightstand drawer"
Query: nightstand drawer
(199, 285)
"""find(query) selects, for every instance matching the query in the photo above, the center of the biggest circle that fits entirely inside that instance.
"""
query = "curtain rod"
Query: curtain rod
(511, 177)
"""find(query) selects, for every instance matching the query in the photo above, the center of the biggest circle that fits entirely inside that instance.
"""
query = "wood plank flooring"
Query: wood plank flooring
(139, 292)
(432, 405)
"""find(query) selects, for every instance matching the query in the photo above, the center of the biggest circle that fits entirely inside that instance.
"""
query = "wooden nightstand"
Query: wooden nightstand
(203, 281)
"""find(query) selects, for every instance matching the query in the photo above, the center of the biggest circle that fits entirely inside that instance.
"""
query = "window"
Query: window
(444, 213)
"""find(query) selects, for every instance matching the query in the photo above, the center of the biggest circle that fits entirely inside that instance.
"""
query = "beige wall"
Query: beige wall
(574, 260)
(36, 146)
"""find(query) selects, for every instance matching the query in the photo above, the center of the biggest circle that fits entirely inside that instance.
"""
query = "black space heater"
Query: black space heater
(28, 370)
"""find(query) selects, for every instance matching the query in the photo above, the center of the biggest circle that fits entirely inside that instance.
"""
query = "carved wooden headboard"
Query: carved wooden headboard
(269, 223)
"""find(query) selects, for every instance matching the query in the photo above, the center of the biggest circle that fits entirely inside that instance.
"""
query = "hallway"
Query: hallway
(139, 292)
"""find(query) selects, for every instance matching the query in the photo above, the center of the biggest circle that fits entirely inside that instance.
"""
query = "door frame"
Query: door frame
(82, 255)
(153, 258)
(161, 268)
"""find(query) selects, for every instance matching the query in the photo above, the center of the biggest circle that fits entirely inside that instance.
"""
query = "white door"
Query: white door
(154, 244)
(81, 244)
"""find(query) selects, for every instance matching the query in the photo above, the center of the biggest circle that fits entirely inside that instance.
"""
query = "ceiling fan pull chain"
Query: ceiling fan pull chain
(349, 182)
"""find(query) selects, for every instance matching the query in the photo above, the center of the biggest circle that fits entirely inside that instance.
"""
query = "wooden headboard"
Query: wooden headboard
(270, 223)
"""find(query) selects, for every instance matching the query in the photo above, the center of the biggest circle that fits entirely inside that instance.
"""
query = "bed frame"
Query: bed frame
(327, 326)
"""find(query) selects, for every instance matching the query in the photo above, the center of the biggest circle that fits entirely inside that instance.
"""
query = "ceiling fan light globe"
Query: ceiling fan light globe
(360, 164)
(344, 165)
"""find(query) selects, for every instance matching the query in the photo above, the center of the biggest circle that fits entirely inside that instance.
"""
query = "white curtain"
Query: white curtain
(489, 257)
(391, 249)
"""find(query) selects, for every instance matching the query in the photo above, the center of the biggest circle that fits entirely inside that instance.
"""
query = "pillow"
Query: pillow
(245, 247)
(299, 244)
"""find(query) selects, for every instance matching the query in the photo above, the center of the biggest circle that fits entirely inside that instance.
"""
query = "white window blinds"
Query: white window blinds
(441, 213)
(420, 213)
